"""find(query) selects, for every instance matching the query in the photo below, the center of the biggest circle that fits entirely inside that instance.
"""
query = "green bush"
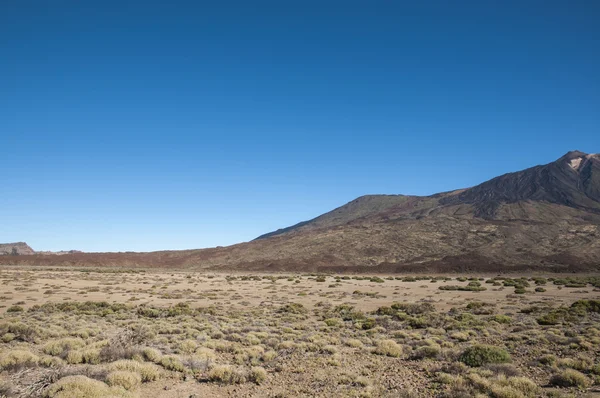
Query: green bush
(463, 288)
(427, 352)
(479, 355)
(349, 313)
(369, 323)
(414, 308)
(293, 308)
(587, 305)
(501, 319)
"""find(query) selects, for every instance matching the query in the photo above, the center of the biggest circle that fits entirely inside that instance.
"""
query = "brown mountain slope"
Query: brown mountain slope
(364, 206)
(546, 217)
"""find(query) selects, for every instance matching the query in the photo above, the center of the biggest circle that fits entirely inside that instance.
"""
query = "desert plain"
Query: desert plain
(98, 332)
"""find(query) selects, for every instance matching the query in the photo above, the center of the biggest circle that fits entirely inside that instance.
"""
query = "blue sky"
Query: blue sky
(148, 125)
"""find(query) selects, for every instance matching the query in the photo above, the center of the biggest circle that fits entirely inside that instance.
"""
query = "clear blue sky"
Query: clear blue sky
(147, 125)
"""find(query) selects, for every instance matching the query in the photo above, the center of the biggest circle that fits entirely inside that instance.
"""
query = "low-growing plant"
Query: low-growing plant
(17, 359)
(171, 362)
(388, 348)
(479, 355)
(570, 378)
(147, 371)
(82, 387)
(123, 378)
(227, 374)
(257, 374)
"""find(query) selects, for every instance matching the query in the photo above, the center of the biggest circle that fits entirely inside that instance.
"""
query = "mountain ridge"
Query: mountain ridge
(489, 195)
(545, 217)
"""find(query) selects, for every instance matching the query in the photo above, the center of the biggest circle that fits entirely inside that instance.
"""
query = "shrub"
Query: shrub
(333, 322)
(81, 387)
(15, 308)
(74, 357)
(149, 312)
(551, 318)
(479, 355)
(151, 354)
(17, 359)
(413, 308)
(427, 352)
(354, 343)
(523, 385)
(123, 378)
(62, 346)
(258, 374)
(587, 305)
(389, 348)
(8, 337)
(570, 378)
(501, 319)
(463, 288)
(293, 308)
(205, 354)
(548, 360)
(349, 313)
(171, 362)
(147, 371)
(91, 356)
(125, 344)
(504, 369)
(226, 374)
(49, 361)
(269, 356)
(188, 346)
(369, 323)
(460, 336)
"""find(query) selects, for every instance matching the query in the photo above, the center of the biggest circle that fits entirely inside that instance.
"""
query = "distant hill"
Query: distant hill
(546, 218)
(17, 248)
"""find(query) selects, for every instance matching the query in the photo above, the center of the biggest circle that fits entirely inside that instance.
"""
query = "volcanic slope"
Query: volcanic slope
(543, 218)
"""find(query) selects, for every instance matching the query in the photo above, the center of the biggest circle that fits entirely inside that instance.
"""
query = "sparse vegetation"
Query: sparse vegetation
(447, 343)
(479, 355)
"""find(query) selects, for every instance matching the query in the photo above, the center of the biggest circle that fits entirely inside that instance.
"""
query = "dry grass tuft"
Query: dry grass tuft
(17, 359)
(227, 374)
(82, 387)
(123, 378)
(389, 348)
(146, 371)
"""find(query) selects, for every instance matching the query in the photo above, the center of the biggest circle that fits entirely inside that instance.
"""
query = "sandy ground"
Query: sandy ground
(27, 287)
(247, 303)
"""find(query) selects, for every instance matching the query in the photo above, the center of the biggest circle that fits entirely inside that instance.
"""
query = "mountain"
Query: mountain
(17, 248)
(572, 181)
(360, 207)
(545, 218)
